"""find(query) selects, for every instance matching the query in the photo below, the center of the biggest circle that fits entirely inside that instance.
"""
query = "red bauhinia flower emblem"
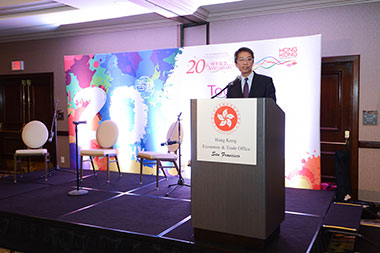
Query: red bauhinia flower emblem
(226, 118)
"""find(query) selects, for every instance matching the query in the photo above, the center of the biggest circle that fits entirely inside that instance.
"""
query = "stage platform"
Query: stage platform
(124, 216)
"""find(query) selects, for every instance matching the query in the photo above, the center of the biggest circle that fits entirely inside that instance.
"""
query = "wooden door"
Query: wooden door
(339, 115)
(23, 98)
(11, 106)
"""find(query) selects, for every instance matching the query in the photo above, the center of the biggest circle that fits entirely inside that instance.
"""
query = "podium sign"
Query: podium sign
(237, 167)
(228, 131)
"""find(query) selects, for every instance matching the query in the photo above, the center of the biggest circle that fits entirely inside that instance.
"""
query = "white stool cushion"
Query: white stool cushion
(151, 155)
(34, 134)
(31, 152)
(98, 152)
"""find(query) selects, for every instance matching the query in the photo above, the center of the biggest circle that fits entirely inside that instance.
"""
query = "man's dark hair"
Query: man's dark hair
(243, 49)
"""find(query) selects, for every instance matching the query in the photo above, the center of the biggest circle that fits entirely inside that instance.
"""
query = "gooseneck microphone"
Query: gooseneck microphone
(228, 85)
(79, 122)
(169, 143)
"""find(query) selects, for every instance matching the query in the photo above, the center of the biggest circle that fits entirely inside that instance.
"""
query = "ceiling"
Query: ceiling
(34, 19)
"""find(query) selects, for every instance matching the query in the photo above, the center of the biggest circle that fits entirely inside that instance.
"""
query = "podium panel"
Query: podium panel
(237, 175)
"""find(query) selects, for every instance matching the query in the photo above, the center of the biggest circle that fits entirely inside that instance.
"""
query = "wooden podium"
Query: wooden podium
(231, 199)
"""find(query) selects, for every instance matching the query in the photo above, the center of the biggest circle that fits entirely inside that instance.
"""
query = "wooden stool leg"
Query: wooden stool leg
(141, 168)
(118, 167)
(108, 168)
(163, 171)
(81, 168)
(93, 165)
(15, 169)
(157, 170)
(46, 167)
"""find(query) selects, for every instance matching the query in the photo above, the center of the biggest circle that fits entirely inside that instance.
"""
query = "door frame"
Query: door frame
(354, 135)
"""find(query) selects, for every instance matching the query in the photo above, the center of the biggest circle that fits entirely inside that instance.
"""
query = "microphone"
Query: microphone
(169, 143)
(51, 137)
(227, 86)
(79, 122)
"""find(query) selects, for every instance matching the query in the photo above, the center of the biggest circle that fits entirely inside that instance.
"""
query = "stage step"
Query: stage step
(343, 216)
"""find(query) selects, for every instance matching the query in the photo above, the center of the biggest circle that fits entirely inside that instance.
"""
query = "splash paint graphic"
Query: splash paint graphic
(309, 177)
(130, 88)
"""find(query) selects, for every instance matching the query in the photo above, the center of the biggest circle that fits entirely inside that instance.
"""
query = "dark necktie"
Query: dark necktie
(246, 88)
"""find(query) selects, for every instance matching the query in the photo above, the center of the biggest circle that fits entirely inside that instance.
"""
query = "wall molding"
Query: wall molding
(369, 144)
(63, 133)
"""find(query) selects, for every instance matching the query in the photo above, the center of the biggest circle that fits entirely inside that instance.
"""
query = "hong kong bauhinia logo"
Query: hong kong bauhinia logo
(225, 118)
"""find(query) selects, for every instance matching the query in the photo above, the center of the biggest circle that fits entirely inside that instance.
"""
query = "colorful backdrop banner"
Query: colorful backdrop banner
(145, 91)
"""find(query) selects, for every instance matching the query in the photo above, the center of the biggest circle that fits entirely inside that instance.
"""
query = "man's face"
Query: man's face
(244, 63)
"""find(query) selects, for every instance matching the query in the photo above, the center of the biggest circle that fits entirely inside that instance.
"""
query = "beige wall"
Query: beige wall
(348, 30)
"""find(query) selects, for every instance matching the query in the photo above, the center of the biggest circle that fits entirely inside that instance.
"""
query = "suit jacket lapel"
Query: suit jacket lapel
(238, 88)
(253, 86)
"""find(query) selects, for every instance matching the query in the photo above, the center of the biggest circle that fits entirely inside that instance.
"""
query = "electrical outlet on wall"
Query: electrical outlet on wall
(62, 159)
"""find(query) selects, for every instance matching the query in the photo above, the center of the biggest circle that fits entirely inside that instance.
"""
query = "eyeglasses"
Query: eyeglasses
(245, 59)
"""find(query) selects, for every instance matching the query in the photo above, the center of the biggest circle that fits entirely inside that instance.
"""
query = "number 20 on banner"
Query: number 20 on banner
(196, 66)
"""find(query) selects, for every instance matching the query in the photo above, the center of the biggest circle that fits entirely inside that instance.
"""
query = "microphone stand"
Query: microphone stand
(181, 181)
(77, 191)
(217, 94)
(228, 85)
(54, 127)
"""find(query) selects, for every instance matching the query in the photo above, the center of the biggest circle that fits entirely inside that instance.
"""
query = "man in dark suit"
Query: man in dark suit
(251, 84)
